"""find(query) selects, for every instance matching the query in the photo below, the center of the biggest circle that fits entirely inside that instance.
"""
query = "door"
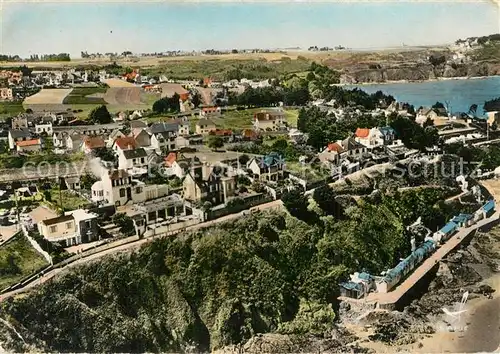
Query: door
(129, 193)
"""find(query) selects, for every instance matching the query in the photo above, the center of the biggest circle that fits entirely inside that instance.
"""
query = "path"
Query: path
(90, 255)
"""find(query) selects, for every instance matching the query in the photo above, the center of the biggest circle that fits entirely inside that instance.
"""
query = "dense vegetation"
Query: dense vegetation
(221, 286)
(17, 260)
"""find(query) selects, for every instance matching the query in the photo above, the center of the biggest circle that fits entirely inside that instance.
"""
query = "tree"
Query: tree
(105, 154)
(296, 203)
(215, 142)
(324, 196)
(196, 100)
(87, 181)
(243, 159)
(125, 223)
(100, 115)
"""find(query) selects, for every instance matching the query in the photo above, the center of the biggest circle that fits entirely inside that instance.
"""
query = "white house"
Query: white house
(117, 187)
(44, 128)
(16, 135)
(74, 142)
(163, 141)
(132, 159)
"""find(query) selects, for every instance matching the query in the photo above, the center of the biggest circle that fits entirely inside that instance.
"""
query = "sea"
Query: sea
(460, 94)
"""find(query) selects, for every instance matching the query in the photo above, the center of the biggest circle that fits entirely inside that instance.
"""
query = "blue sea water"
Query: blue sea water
(460, 93)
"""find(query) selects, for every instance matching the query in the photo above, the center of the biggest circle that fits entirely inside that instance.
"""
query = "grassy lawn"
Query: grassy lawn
(79, 95)
(18, 259)
(11, 108)
(292, 115)
(307, 172)
(236, 119)
(70, 201)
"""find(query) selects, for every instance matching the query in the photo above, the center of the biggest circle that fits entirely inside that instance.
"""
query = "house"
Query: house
(214, 187)
(132, 159)
(124, 143)
(331, 154)
(190, 140)
(19, 122)
(388, 135)
(205, 126)
(250, 134)
(74, 141)
(33, 145)
(117, 187)
(210, 111)
(269, 167)
(426, 113)
(72, 228)
(374, 137)
(16, 135)
(72, 183)
(176, 164)
(179, 126)
(493, 118)
(164, 141)
(269, 120)
(59, 139)
(351, 148)
(6, 93)
(225, 134)
(115, 134)
(44, 129)
(92, 143)
(137, 124)
(141, 137)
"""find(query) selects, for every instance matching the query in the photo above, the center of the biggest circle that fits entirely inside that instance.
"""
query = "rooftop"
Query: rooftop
(58, 220)
(31, 142)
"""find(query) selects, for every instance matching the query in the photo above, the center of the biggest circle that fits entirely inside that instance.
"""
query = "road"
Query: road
(277, 204)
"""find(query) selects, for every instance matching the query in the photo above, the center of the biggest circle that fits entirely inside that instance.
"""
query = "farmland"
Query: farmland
(86, 95)
(48, 96)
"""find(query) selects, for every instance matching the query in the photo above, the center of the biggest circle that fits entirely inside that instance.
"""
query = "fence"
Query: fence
(35, 245)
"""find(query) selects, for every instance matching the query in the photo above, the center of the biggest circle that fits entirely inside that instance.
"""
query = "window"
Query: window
(53, 229)
(69, 225)
(122, 192)
(88, 224)
(138, 190)
(142, 159)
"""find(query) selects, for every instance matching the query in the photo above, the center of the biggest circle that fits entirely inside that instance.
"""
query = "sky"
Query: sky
(40, 28)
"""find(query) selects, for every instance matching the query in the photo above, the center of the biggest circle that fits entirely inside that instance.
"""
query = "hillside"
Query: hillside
(265, 273)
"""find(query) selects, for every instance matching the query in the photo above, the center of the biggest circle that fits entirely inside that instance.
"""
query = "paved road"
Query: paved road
(277, 204)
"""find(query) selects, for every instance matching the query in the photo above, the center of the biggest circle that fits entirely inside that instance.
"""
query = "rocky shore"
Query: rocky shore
(423, 326)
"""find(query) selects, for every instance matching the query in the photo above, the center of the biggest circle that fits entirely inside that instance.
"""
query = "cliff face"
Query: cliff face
(418, 72)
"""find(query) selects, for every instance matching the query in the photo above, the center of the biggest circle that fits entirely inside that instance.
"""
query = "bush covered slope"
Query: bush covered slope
(267, 272)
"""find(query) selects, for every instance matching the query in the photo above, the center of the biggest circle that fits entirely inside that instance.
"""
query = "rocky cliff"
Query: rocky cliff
(417, 72)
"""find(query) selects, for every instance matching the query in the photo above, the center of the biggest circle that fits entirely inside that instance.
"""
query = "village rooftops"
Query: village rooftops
(28, 142)
(162, 127)
(94, 142)
(335, 147)
(20, 133)
(362, 132)
(58, 220)
(210, 109)
(126, 142)
(134, 154)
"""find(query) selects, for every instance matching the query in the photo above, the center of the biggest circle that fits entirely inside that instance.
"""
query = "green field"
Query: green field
(18, 259)
(79, 95)
(70, 201)
(292, 115)
(220, 69)
(11, 108)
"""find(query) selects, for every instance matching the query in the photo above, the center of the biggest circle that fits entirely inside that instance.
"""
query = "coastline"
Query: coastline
(417, 81)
